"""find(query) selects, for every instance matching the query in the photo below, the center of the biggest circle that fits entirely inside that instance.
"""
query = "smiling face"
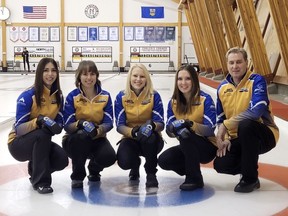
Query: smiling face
(88, 79)
(184, 83)
(49, 75)
(237, 66)
(138, 80)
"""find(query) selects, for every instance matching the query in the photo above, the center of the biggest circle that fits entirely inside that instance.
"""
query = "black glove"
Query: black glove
(47, 123)
(180, 128)
(135, 131)
(89, 128)
(145, 131)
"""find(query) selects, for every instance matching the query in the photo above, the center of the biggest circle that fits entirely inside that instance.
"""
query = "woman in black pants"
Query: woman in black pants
(191, 118)
(38, 118)
(88, 118)
(139, 118)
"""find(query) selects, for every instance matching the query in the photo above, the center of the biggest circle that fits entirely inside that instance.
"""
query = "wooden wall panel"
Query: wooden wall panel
(279, 11)
(259, 26)
(208, 37)
(230, 23)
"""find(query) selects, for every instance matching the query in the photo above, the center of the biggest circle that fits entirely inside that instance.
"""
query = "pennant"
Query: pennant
(14, 33)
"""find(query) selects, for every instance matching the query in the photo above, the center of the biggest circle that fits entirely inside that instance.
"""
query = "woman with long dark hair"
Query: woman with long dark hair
(191, 118)
(38, 118)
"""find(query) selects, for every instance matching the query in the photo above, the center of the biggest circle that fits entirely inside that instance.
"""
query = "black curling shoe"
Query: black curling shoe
(189, 186)
(134, 175)
(43, 189)
(246, 187)
(151, 181)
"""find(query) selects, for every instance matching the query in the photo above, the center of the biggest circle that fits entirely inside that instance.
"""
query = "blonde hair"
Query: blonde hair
(147, 90)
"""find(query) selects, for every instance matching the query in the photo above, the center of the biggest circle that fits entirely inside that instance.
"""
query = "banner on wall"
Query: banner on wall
(149, 34)
(35, 53)
(98, 54)
(152, 12)
(170, 33)
(24, 34)
(14, 33)
(34, 12)
(150, 54)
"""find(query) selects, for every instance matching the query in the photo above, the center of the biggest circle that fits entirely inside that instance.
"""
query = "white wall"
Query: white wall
(108, 13)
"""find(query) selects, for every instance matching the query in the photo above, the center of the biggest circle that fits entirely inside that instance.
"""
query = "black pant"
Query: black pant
(80, 148)
(129, 151)
(44, 155)
(185, 158)
(254, 138)
(26, 60)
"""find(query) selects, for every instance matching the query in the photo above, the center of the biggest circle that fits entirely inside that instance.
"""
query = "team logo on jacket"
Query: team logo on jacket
(129, 101)
(145, 102)
(259, 89)
(243, 90)
(82, 100)
(21, 101)
(228, 90)
(100, 101)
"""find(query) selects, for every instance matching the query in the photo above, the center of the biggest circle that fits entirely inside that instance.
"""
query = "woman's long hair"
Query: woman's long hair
(39, 84)
(184, 106)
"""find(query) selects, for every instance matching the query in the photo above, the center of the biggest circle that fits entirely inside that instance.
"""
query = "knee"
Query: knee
(246, 125)
(110, 160)
(162, 162)
(63, 163)
(218, 166)
(42, 135)
(123, 165)
(221, 166)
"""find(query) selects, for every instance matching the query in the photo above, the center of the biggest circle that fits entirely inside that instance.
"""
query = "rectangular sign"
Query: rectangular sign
(150, 54)
(35, 53)
(100, 54)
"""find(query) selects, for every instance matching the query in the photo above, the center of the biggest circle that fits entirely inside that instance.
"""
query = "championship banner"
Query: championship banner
(97, 54)
(150, 54)
(14, 33)
(170, 33)
(24, 35)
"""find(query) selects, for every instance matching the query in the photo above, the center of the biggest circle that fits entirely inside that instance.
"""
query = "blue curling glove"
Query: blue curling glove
(180, 128)
(145, 131)
(89, 128)
(47, 123)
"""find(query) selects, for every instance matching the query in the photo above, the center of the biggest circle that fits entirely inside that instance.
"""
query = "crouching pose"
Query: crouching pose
(139, 118)
(38, 118)
(246, 126)
(88, 115)
(191, 118)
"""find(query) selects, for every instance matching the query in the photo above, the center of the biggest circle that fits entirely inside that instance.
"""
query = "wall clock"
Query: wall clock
(4, 13)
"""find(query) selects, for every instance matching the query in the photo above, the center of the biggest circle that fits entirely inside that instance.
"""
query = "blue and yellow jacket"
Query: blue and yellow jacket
(99, 110)
(203, 116)
(136, 111)
(248, 100)
(27, 111)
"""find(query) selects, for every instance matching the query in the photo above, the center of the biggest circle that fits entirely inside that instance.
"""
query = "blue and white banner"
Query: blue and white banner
(152, 12)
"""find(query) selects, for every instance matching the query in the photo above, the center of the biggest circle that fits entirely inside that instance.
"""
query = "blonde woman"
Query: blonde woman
(139, 118)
